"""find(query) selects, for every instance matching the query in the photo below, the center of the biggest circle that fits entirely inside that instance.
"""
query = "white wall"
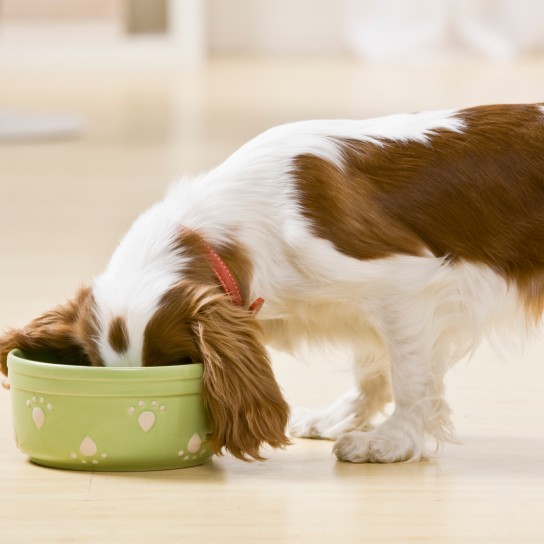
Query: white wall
(276, 26)
(377, 29)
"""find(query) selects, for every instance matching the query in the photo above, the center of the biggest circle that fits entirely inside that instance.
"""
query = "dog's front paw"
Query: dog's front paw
(376, 447)
(328, 423)
(307, 423)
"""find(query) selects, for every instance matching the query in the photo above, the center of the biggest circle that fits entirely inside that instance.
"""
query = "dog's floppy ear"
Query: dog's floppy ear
(245, 403)
(66, 330)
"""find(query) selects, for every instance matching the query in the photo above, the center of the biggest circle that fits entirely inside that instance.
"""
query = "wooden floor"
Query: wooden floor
(63, 206)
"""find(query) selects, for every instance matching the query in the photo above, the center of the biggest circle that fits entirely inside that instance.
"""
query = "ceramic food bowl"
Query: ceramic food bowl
(107, 419)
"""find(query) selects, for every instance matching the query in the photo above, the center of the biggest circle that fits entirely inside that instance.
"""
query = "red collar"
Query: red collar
(228, 281)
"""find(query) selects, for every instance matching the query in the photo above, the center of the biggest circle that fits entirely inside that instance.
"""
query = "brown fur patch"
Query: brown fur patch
(118, 335)
(240, 391)
(68, 330)
(476, 196)
(198, 323)
(168, 337)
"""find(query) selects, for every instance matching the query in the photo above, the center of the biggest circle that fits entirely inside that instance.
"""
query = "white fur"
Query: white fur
(404, 335)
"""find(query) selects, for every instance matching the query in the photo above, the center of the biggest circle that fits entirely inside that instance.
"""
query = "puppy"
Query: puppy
(405, 238)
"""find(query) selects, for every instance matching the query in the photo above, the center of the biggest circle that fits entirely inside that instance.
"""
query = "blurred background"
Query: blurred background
(103, 103)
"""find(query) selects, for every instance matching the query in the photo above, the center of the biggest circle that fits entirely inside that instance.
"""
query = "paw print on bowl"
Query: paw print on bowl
(147, 416)
(88, 452)
(39, 408)
(194, 448)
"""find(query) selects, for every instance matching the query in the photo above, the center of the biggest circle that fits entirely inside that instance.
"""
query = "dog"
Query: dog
(405, 238)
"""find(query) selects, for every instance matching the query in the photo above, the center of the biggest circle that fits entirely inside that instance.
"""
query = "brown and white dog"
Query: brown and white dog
(405, 238)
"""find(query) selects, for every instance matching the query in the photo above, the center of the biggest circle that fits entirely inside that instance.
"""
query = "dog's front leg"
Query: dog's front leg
(356, 409)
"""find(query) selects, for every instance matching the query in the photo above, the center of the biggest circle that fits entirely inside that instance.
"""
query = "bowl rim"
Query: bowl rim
(18, 363)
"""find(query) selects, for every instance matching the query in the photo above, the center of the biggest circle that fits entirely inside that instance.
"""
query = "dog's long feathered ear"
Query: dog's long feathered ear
(64, 330)
(246, 406)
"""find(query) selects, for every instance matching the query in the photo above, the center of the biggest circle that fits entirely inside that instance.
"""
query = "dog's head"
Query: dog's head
(167, 308)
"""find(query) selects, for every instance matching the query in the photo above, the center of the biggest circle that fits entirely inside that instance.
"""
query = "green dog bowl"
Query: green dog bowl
(107, 419)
